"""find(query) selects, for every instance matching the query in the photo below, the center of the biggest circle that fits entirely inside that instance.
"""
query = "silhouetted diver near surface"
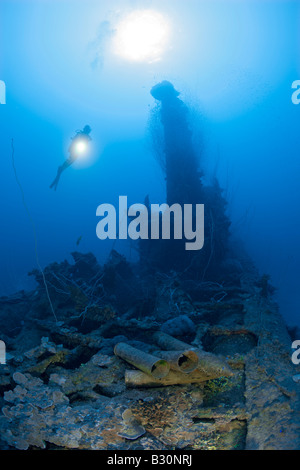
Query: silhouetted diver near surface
(75, 150)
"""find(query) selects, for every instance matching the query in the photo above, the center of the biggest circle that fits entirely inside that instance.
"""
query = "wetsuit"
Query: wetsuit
(72, 150)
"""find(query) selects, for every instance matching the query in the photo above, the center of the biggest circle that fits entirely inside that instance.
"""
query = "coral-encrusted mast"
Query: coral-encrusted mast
(183, 184)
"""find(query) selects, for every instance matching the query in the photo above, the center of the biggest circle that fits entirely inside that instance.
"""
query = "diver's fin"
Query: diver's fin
(55, 183)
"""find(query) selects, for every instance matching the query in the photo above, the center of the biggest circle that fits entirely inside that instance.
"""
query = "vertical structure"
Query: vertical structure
(182, 174)
(184, 186)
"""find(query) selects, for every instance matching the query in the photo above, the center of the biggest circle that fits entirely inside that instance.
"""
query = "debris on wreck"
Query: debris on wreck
(139, 379)
(152, 365)
(171, 352)
(69, 375)
(187, 364)
(185, 361)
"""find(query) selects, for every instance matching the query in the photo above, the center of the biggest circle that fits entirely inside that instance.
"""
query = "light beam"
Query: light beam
(142, 36)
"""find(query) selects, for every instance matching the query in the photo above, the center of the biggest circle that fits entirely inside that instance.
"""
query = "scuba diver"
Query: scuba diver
(77, 148)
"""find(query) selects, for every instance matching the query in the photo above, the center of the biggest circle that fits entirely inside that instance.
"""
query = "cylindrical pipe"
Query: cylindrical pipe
(210, 364)
(183, 361)
(154, 366)
(136, 378)
(168, 343)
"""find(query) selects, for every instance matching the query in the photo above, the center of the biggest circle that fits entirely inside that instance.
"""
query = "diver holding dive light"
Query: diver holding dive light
(77, 148)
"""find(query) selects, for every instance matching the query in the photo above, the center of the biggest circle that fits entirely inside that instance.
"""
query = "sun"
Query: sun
(142, 36)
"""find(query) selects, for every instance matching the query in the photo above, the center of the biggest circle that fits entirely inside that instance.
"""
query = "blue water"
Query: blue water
(233, 62)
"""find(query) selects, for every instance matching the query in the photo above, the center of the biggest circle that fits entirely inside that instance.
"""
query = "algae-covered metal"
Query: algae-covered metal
(147, 363)
(182, 361)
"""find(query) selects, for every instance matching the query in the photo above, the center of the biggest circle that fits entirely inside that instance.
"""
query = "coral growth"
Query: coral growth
(63, 386)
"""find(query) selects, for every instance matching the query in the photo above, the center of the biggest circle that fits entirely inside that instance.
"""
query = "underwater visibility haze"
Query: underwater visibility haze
(233, 61)
(147, 102)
